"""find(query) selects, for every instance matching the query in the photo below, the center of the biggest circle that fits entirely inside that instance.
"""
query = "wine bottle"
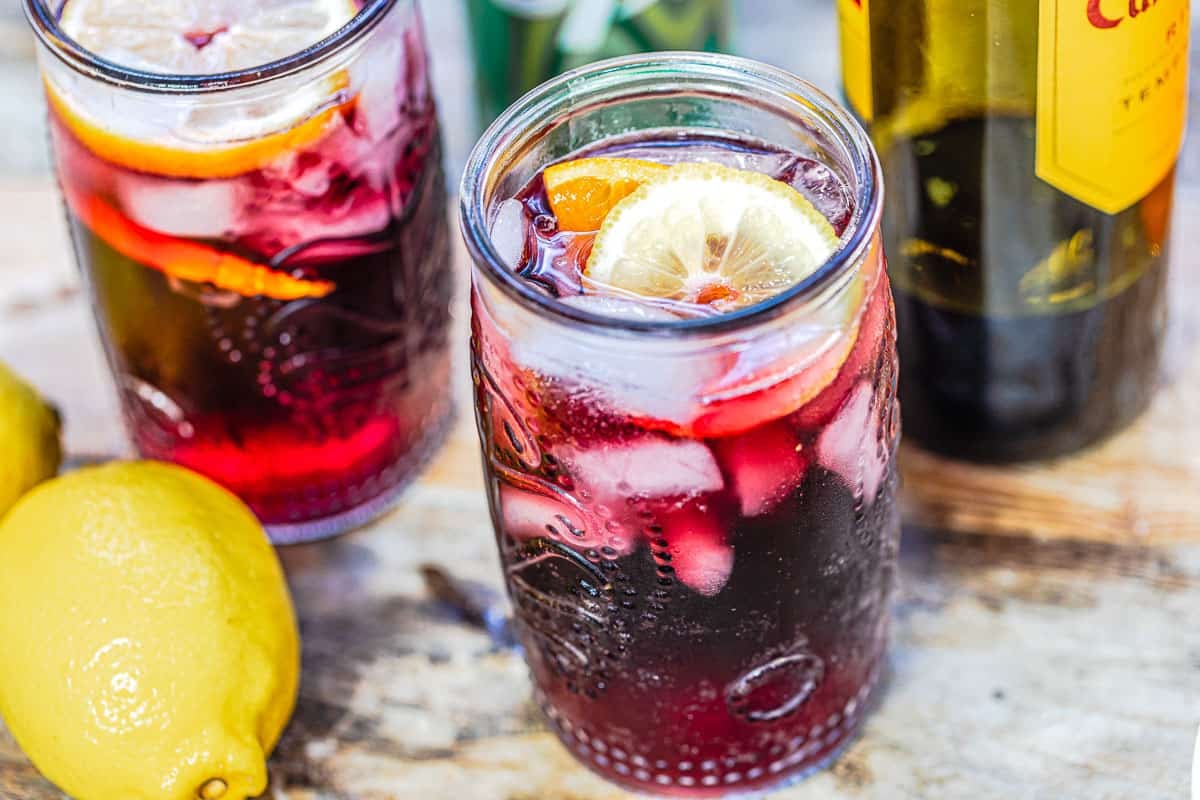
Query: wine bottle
(1028, 149)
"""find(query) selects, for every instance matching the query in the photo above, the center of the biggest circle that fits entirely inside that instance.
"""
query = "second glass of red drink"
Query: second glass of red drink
(684, 361)
(258, 205)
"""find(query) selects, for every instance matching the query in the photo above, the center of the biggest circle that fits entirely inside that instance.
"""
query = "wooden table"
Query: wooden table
(1039, 665)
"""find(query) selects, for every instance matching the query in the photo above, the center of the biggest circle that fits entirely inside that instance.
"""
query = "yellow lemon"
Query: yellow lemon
(150, 646)
(29, 445)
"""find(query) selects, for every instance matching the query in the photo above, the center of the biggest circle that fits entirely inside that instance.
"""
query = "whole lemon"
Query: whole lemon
(149, 644)
(29, 446)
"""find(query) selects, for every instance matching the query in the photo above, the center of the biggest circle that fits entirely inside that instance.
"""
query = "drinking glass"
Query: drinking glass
(267, 254)
(700, 566)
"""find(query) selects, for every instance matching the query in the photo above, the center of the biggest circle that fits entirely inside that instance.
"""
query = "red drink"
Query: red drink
(693, 498)
(275, 302)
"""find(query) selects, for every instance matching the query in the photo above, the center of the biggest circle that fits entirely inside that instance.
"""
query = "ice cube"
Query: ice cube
(849, 445)
(639, 382)
(194, 209)
(700, 554)
(731, 409)
(509, 229)
(393, 82)
(620, 308)
(545, 510)
(758, 367)
(527, 514)
(824, 189)
(382, 79)
(791, 374)
(362, 212)
(285, 219)
(765, 466)
(650, 466)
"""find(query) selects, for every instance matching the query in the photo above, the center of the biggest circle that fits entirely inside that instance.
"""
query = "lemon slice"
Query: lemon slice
(710, 234)
(201, 137)
(201, 37)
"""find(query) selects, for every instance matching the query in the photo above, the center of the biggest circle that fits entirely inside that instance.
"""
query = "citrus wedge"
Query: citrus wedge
(583, 191)
(710, 234)
(187, 260)
(209, 137)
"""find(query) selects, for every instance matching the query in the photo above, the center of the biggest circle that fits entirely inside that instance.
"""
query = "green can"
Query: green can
(521, 43)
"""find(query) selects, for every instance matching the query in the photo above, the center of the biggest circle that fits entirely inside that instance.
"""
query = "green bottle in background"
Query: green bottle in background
(521, 43)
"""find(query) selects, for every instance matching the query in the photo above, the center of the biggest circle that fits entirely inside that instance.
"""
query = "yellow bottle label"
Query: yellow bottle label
(855, 33)
(1112, 96)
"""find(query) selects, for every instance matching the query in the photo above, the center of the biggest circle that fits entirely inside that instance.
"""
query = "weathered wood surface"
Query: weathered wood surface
(1020, 667)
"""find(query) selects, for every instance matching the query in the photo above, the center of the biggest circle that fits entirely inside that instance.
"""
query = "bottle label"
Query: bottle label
(1112, 96)
(855, 34)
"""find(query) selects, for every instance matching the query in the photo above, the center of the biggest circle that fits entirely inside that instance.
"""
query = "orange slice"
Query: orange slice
(187, 260)
(175, 160)
(206, 136)
(583, 191)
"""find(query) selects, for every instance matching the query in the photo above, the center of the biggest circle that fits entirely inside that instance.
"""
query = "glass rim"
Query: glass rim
(46, 26)
(530, 112)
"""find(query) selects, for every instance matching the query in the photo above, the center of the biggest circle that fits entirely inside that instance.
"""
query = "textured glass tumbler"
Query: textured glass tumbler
(700, 577)
(267, 253)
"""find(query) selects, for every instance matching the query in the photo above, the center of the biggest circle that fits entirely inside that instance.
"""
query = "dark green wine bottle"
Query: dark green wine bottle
(1028, 149)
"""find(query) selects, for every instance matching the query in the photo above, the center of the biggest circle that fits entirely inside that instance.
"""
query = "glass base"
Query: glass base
(788, 770)
(409, 468)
